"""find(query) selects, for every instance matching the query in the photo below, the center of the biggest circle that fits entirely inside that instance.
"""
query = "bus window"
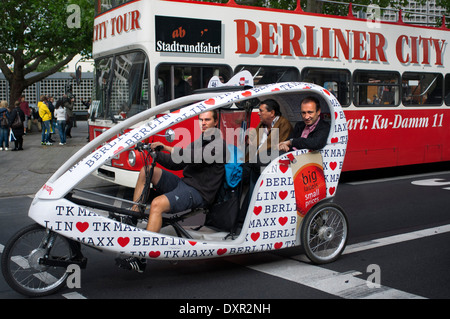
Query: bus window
(447, 89)
(270, 74)
(174, 81)
(121, 86)
(376, 88)
(422, 88)
(337, 81)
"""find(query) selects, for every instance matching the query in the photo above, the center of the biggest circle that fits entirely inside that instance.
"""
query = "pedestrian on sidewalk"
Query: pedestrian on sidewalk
(16, 120)
(60, 114)
(25, 107)
(51, 107)
(34, 119)
(46, 116)
(4, 125)
(68, 101)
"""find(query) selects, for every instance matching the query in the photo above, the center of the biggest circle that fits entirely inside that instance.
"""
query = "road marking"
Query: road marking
(396, 178)
(344, 285)
(73, 295)
(396, 239)
(439, 182)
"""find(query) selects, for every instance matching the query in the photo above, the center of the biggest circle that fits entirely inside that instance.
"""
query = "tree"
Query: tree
(45, 33)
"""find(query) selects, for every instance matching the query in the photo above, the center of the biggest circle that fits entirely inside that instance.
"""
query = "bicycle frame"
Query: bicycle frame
(273, 219)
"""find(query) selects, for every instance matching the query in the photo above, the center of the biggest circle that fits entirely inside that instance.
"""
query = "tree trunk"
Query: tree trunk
(16, 88)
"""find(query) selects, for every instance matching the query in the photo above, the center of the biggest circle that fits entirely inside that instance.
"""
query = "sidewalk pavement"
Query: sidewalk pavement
(25, 172)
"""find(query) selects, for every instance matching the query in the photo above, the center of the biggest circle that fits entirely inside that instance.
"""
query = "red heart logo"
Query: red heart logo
(283, 168)
(154, 254)
(326, 91)
(192, 242)
(278, 245)
(282, 220)
(221, 251)
(123, 241)
(332, 190)
(82, 226)
(247, 93)
(257, 210)
(335, 115)
(255, 236)
(119, 150)
(333, 165)
(334, 140)
(283, 194)
(275, 89)
(306, 88)
(210, 102)
(284, 165)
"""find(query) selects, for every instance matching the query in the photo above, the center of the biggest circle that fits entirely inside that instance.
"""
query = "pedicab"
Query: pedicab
(291, 204)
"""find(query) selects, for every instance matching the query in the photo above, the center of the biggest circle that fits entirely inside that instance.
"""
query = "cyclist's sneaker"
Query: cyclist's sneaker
(48, 143)
(132, 263)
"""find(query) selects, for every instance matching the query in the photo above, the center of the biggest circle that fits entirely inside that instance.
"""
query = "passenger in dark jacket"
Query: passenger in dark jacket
(312, 132)
(17, 131)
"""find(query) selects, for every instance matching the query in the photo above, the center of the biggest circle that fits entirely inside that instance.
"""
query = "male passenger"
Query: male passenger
(273, 127)
(202, 163)
(312, 132)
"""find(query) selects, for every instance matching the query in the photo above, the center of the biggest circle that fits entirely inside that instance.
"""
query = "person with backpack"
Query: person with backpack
(16, 120)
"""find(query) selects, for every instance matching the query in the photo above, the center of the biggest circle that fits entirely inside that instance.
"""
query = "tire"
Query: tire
(20, 261)
(324, 233)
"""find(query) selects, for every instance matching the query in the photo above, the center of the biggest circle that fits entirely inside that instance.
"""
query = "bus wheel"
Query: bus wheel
(324, 233)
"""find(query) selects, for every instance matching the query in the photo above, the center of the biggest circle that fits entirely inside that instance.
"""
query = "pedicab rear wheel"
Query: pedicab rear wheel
(324, 233)
(23, 261)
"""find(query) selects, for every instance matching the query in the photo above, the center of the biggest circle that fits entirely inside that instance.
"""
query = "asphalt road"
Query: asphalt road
(397, 248)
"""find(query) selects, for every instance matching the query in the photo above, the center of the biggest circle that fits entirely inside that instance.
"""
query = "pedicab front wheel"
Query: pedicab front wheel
(324, 232)
(24, 257)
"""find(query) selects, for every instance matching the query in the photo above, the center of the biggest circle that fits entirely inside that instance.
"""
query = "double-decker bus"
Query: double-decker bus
(392, 78)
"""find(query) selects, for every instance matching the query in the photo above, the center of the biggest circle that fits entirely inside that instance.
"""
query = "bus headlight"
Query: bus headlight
(131, 158)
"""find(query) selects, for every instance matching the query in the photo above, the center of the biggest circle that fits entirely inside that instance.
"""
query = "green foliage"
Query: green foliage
(34, 31)
(40, 27)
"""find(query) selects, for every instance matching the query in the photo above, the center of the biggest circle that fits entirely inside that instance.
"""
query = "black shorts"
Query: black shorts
(180, 195)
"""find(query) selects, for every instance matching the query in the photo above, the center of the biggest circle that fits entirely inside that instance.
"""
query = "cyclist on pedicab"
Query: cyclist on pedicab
(202, 163)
